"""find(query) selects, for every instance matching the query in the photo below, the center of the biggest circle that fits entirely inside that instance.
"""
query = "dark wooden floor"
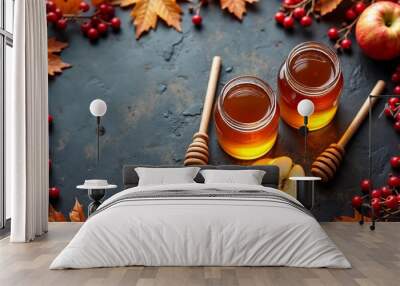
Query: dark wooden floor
(375, 257)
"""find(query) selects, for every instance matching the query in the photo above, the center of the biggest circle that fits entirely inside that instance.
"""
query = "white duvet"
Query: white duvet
(200, 231)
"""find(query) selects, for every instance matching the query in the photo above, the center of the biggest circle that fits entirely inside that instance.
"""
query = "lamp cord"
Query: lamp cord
(305, 140)
(98, 139)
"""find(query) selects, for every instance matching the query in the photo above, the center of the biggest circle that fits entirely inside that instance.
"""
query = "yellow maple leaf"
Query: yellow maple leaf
(68, 6)
(146, 13)
(326, 6)
(55, 64)
(236, 7)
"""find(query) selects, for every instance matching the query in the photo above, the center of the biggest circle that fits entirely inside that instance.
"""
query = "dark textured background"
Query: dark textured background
(155, 88)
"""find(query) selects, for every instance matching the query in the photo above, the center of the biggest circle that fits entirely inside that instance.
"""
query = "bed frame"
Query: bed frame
(271, 178)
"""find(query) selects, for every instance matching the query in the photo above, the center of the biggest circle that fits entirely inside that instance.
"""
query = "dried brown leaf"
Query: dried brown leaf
(54, 215)
(54, 46)
(77, 213)
(55, 64)
(356, 218)
(236, 7)
(326, 6)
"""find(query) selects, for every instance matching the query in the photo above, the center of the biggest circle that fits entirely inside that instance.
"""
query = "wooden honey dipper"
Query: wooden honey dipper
(327, 163)
(197, 152)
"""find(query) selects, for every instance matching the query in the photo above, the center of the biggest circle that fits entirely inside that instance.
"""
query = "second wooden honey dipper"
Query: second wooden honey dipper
(197, 153)
(327, 163)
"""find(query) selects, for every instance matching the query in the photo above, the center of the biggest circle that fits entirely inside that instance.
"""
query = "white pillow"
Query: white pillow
(165, 176)
(248, 177)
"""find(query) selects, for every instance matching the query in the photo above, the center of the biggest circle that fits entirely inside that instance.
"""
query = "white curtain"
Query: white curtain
(27, 124)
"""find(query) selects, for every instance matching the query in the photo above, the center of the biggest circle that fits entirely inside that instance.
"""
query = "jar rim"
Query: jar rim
(247, 126)
(318, 90)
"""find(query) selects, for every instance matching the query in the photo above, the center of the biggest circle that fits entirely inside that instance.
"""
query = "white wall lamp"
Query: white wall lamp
(305, 108)
(98, 108)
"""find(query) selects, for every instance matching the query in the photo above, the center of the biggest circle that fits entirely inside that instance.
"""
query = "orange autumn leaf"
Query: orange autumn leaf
(146, 13)
(54, 46)
(236, 7)
(55, 64)
(68, 6)
(326, 6)
(356, 218)
(54, 215)
(77, 213)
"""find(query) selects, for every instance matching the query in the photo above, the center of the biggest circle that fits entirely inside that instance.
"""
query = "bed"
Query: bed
(201, 224)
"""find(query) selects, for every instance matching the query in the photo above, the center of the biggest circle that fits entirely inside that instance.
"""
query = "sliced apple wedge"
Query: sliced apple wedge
(284, 163)
(289, 186)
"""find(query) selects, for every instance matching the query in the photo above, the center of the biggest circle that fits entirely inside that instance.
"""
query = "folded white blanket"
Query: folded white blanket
(201, 224)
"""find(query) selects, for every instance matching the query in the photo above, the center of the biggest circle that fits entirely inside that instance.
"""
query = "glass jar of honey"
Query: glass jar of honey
(311, 71)
(246, 118)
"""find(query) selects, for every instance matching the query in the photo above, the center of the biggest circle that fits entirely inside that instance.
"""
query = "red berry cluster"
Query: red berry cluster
(341, 36)
(93, 27)
(392, 107)
(291, 10)
(55, 15)
(385, 201)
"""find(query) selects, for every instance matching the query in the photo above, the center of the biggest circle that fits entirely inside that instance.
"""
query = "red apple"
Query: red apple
(54, 193)
(356, 201)
(378, 30)
(398, 199)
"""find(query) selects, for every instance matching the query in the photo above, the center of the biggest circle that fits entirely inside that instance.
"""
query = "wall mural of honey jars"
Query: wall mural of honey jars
(155, 89)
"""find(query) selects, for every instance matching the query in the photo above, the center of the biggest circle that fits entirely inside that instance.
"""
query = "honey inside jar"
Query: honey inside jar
(246, 118)
(246, 103)
(312, 71)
